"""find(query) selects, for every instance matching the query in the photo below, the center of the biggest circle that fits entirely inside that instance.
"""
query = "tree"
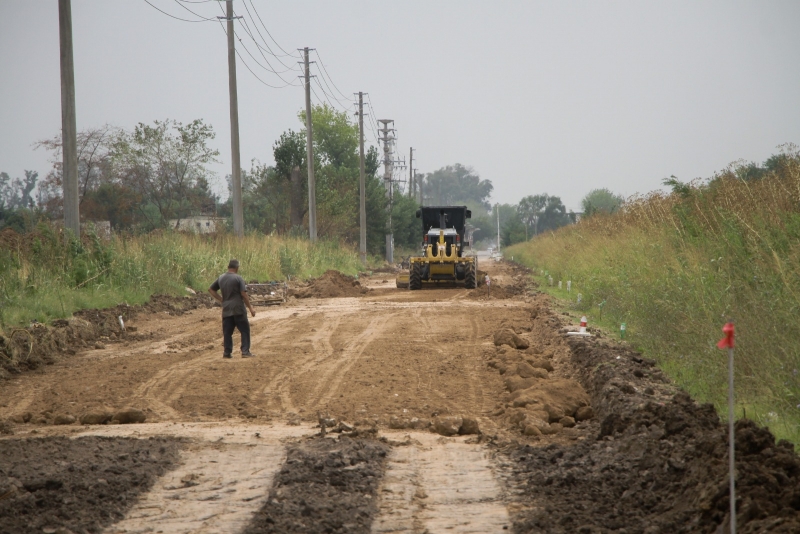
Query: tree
(530, 210)
(554, 216)
(166, 165)
(94, 158)
(17, 193)
(290, 157)
(601, 200)
(456, 185)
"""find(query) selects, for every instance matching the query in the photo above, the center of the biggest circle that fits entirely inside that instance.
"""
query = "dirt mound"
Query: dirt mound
(325, 486)
(496, 291)
(83, 485)
(657, 462)
(332, 284)
(24, 349)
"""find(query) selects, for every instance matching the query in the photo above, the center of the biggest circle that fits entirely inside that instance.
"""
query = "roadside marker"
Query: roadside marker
(582, 331)
(727, 343)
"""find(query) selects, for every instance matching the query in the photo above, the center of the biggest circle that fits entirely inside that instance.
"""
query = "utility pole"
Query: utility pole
(312, 189)
(388, 141)
(362, 182)
(497, 207)
(411, 185)
(69, 147)
(236, 164)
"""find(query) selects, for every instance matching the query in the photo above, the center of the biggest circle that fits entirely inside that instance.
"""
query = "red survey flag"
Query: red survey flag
(727, 341)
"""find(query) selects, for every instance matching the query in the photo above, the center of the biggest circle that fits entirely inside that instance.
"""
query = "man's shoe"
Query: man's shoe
(227, 356)
(248, 354)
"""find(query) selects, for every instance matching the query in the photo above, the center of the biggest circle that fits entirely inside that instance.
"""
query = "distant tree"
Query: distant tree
(166, 164)
(94, 158)
(454, 185)
(406, 228)
(17, 193)
(555, 215)
(530, 209)
(290, 158)
(601, 200)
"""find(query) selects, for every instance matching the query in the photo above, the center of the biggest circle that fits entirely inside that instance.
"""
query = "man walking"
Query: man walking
(234, 315)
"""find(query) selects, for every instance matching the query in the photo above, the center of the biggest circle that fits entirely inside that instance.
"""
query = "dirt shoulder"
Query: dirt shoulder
(82, 485)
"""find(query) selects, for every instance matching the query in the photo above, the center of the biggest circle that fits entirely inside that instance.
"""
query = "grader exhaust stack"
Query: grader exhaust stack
(443, 258)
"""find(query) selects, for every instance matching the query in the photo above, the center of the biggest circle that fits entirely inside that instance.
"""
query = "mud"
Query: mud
(81, 485)
(27, 349)
(651, 461)
(326, 485)
(332, 284)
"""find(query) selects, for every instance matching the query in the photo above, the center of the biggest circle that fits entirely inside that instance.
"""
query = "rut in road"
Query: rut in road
(434, 484)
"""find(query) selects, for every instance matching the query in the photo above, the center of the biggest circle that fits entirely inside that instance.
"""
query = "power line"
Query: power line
(273, 54)
(287, 54)
(267, 49)
(251, 70)
(260, 49)
(286, 82)
(328, 98)
(192, 12)
(329, 76)
(173, 16)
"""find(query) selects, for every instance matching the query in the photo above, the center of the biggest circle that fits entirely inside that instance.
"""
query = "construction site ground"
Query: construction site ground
(371, 409)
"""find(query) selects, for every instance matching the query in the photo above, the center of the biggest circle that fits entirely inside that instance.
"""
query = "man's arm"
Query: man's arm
(246, 300)
(213, 290)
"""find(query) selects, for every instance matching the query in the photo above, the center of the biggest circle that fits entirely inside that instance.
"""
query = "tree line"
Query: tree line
(142, 179)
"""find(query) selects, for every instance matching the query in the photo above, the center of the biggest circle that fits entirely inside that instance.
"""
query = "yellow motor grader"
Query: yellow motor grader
(443, 259)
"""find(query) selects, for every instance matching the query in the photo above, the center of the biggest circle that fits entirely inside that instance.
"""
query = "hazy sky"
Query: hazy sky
(556, 97)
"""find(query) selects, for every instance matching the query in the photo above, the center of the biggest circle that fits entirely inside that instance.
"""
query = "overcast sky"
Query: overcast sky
(556, 97)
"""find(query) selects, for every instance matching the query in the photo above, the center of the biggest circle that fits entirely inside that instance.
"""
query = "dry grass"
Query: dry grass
(42, 278)
(676, 266)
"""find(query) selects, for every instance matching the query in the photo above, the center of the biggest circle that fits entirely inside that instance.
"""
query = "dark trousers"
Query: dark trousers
(228, 326)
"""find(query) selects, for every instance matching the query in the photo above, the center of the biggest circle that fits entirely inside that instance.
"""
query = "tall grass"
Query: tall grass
(43, 277)
(675, 267)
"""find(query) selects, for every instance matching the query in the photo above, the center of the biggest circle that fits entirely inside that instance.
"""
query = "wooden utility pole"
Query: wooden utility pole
(388, 168)
(411, 185)
(362, 182)
(312, 192)
(236, 165)
(69, 147)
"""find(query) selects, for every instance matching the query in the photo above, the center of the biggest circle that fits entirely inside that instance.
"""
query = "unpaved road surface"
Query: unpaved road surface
(443, 411)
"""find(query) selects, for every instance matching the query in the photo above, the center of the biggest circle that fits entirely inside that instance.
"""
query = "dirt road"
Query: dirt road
(387, 353)
(445, 411)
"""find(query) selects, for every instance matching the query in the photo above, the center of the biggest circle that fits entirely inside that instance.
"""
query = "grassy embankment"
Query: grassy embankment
(676, 267)
(42, 278)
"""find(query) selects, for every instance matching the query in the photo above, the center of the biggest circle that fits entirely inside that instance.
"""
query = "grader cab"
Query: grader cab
(444, 257)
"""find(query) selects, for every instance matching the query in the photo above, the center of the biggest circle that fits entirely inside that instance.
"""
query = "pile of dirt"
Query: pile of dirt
(332, 284)
(654, 461)
(25, 349)
(495, 291)
(76, 485)
(325, 485)
(537, 402)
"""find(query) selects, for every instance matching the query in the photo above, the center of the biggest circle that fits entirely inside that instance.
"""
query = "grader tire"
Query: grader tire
(470, 277)
(415, 277)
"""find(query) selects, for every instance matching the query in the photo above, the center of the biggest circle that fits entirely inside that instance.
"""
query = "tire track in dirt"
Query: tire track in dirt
(277, 391)
(335, 371)
(434, 484)
(162, 390)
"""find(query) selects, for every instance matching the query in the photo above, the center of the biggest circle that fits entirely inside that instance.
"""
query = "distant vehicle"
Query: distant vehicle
(443, 257)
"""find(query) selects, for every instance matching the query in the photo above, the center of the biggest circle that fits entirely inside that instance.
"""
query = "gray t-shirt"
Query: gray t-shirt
(232, 286)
